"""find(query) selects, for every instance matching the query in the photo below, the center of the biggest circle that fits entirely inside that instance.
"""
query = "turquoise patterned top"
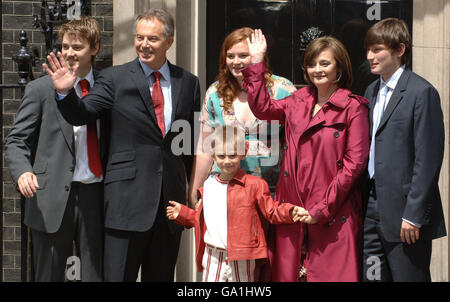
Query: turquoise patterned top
(260, 160)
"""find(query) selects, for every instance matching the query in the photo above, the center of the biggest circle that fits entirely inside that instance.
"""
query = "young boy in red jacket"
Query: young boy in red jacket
(228, 221)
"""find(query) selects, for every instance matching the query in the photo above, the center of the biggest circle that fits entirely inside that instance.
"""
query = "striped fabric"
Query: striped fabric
(216, 267)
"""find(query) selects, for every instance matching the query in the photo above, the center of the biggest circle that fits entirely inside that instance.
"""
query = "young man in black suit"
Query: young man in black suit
(144, 98)
(404, 210)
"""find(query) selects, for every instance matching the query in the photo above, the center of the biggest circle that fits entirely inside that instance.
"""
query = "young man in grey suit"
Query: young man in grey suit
(58, 168)
(404, 210)
(144, 98)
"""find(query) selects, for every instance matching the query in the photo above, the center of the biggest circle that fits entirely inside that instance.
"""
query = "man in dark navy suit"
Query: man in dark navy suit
(404, 210)
(144, 99)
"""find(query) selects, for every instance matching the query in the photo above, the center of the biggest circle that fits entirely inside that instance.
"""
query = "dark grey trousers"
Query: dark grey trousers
(385, 261)
(82, 227)
(154, 251)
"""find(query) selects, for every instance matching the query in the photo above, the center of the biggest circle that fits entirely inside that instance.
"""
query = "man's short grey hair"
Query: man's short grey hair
(163, 16)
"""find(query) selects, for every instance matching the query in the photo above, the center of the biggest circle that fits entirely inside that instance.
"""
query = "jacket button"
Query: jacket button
(336, 134)
(339, 163)
(67, 188)
(343, 219)
(286, 173)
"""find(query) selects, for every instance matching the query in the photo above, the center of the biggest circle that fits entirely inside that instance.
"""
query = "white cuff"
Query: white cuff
(413, 223)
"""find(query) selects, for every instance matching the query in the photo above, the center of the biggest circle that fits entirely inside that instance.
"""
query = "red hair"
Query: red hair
(228, 87)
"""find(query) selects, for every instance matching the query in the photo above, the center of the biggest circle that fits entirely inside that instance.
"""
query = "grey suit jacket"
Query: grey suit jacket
(409, 147)
(42, 142)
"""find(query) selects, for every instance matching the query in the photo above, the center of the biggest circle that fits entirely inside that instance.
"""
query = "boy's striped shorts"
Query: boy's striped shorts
(217, 268)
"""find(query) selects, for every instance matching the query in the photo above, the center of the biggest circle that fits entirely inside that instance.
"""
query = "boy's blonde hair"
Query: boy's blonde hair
(226, 140)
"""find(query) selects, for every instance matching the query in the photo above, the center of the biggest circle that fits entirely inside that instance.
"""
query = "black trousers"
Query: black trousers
(385, 261)
(83, 226)
(154, 251)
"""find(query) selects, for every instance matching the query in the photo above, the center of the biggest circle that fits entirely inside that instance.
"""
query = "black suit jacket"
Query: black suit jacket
(409, 147)
(42, 142)
(141, 163)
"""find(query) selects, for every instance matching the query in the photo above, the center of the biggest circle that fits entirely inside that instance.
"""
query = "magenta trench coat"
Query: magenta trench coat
(322, 165)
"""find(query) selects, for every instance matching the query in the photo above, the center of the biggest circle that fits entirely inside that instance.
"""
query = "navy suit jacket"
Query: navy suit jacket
(141, 164)
(409, 148)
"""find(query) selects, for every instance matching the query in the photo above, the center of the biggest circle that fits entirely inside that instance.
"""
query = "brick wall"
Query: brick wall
(18, 15)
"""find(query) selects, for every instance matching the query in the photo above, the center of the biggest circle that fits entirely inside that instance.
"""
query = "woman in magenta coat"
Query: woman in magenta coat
(327, 138)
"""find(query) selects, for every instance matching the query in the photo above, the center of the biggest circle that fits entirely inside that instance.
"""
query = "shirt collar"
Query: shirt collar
(164, 70)
(239, 177)
(339, 98)
(89, 77)
(393, 80)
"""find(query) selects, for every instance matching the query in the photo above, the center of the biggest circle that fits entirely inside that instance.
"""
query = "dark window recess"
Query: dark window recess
(283, 23)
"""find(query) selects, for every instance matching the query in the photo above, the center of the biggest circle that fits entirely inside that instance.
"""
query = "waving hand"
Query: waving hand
(62, 76)
(257, 46)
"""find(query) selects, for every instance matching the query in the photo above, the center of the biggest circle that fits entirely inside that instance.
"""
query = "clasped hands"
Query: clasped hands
(300, 214)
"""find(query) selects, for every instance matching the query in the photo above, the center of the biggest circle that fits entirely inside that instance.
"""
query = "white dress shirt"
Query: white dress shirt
(82, 171)
(391, 83)
(382, 101)
(166, 88)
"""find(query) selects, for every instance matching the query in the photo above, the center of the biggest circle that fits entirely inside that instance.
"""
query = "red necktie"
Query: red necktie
(92, 141)
(158, 101)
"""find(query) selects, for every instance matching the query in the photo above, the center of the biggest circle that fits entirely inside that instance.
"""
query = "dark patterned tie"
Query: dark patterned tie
(95, 164)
